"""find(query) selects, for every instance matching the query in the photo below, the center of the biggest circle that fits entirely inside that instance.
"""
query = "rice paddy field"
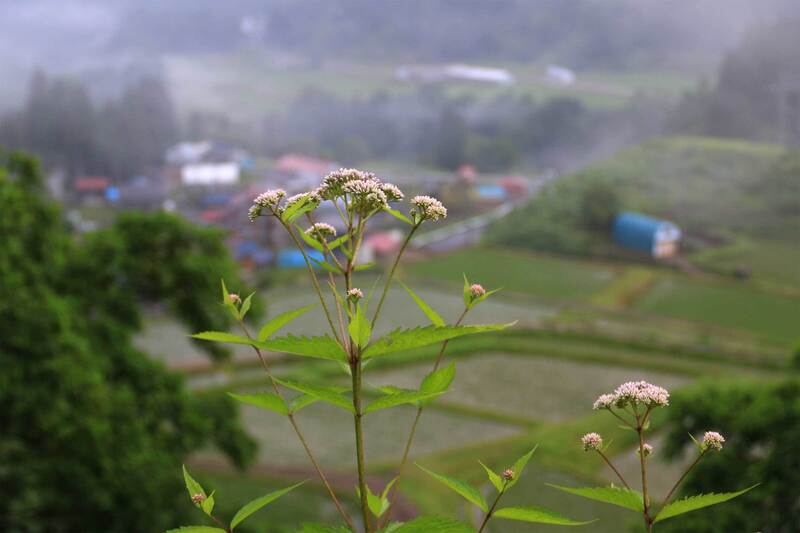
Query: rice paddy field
(584, 327)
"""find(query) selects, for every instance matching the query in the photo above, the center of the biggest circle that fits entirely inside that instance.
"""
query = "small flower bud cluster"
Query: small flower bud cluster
(235, 298)
(321, 231)
(592, 441)
(634, 393)
(427, 208)
(266, 200)
(198, 498)
(366, 195)
(508, 474)
(392, 192)
(476, 291)
(647, 450)
(355, 294)
(310, 196)
(712, 441)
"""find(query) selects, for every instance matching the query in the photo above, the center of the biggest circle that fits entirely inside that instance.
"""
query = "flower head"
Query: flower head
(646, 449)
(198, 498)
(476, 291)
(604, 401)
(508, 474)
(321, 231)
(355, 294)
(366, 195)
(333, 183)
(266, 200)
(592, 441)
(235, 298)
(712, 441)
(392, 192)
(427, 208)
(641, 393)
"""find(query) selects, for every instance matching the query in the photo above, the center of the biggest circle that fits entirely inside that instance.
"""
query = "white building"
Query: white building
(210, 174)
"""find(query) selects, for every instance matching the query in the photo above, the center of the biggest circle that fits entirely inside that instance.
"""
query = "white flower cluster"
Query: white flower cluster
(476, 290)
(321, 231)
(592, 441)
(427, 208)
(366, 195)
(364, 190)
(355, 294)
(647, 449)
(266, 200)
(634, 393)
(712, 441)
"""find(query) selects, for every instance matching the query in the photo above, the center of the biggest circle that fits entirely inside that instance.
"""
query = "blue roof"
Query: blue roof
(639, 232)
(294, 259)
(491, 192)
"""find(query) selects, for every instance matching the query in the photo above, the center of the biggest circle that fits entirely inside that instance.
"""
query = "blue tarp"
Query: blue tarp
(294, 259)
(633, 230)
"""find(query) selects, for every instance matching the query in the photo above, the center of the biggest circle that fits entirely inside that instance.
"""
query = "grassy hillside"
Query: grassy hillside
(720, 192)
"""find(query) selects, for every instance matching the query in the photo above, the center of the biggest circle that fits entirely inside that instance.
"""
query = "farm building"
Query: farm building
(659, 238)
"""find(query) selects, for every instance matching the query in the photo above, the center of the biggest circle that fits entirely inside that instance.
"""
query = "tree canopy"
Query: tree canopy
(92, 427)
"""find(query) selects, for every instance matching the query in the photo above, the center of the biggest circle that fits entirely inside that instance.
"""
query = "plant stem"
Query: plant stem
(492, 508)
(686, 473)
(299, 433)
(648, 522)
(391, 273)
(313, 278)
(608, 462)
(412, 433)
(355, 370)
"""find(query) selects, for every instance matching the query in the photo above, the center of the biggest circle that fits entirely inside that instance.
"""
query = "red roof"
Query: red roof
(91, 184)
(303, 164)
(384, 242)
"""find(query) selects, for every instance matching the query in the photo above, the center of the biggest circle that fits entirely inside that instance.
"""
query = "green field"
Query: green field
(518, 272)
(775, 317)
(246, 85)
(585, 326)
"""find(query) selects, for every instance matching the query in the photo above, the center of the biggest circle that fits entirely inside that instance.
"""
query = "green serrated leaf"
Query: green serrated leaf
(264, 400)
(360, 328)
(309, 240)
(246, 305)
(486, 295)
(536, 515)
(196, 529)
(331, 395)
(274, 325)
(399, 398)
(334, 244)
(461, 488)
(192, 486)
(323, 347)
(377, 505)
(519, 467)
(399, 216)
(406, 339)
(333, 269)
(438, 381)
(254, 505)
(207, 505)
(226, 301)
(496, 480)
(298, 209)
(619, 496)
(222, 336)
(303, 400)
(434, 524)
(693, 503)
(467, 293)
(432, 315)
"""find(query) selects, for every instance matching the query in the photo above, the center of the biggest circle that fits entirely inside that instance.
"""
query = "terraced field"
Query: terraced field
(584, 328)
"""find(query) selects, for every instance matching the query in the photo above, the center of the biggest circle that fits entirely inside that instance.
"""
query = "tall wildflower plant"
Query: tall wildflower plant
(632, 404)
(351, 344)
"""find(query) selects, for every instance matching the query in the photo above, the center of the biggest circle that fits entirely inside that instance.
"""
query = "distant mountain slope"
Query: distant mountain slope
(713, 188)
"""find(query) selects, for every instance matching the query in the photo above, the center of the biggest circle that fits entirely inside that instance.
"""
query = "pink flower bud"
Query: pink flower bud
(476, 290)
(198, 498)
(712, 441)
(592, 441)
(508, 474)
